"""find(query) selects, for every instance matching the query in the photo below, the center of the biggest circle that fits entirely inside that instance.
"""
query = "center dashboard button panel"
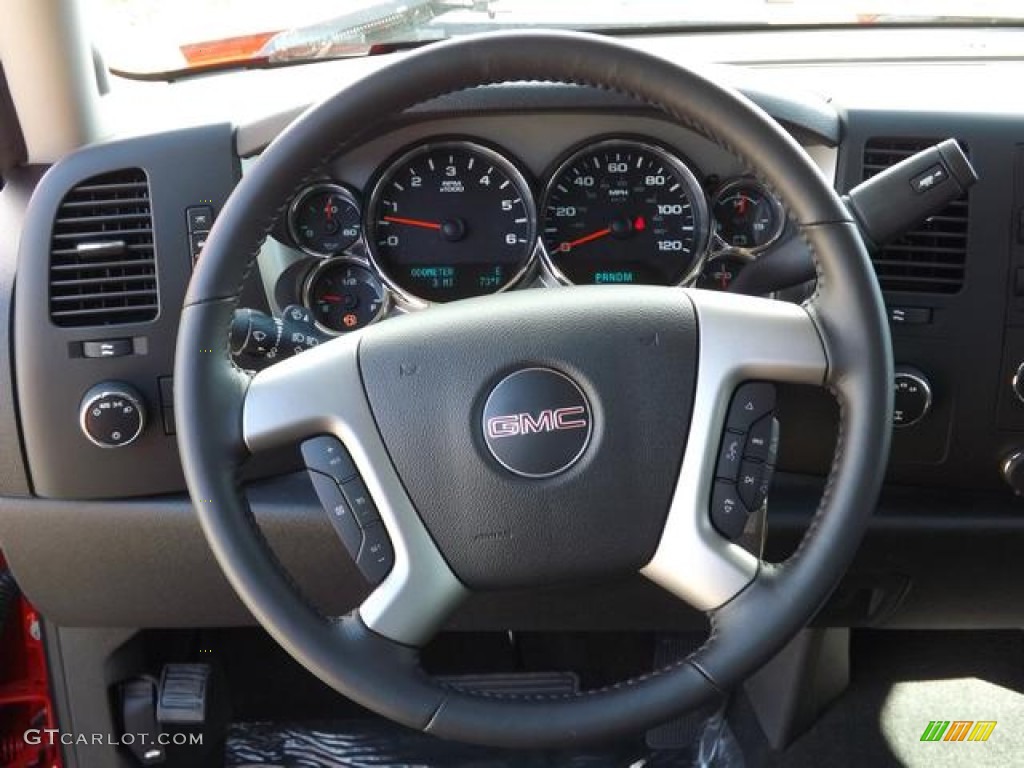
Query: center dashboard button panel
(746, 458)
(349, 506)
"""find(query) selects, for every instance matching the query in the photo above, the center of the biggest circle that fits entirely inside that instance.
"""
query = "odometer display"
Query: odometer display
(624, 212)
(451, 220)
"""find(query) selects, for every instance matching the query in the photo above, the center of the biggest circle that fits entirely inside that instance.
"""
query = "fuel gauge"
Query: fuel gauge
(344, 296)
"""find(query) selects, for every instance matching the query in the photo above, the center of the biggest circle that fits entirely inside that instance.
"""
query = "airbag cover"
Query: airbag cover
(632, 353)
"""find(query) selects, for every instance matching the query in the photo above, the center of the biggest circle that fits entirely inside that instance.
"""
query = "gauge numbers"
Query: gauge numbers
(324, 219)
(624, 212)
(451, 220)
(747, 216)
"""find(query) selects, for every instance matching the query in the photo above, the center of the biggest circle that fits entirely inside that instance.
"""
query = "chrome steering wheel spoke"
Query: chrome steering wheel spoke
(321, 392)
(740, 339)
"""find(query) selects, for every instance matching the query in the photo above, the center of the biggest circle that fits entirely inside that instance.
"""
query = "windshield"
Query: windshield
(155, 36)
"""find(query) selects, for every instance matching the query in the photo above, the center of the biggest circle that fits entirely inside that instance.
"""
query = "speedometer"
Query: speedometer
(449, 220)
(624, 211)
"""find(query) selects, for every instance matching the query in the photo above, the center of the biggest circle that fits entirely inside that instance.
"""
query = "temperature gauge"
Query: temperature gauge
(324, 220)
(344, 296)
(747, 216)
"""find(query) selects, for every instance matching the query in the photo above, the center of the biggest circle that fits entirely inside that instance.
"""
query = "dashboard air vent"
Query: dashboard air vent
(102, 262)
(930, 258)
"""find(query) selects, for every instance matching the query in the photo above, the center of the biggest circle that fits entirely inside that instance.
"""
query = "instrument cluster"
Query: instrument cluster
(453, 218)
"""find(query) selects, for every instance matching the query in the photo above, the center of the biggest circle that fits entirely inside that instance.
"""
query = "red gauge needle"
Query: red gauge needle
(413, 222)
(565, 247)
(331, 297)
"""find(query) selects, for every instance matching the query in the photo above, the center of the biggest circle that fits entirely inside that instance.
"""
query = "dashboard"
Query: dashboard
(353, 248)
(448, 216)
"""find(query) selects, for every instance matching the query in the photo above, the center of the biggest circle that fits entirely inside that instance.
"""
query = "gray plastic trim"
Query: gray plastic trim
(740, 338)
(321, 392)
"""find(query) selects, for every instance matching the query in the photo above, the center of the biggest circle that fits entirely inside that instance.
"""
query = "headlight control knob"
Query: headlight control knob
(913, 397)
(112, 414)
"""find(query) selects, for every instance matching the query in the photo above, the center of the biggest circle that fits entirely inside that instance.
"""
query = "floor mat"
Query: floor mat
(904, 681)
(371, 744)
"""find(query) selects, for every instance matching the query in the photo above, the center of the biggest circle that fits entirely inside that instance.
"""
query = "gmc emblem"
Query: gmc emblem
(549, 420)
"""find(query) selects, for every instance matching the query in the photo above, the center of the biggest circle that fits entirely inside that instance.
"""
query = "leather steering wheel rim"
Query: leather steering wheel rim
(846, 311)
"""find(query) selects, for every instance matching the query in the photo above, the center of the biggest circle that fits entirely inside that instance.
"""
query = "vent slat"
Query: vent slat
(137, 314)
(64, 285)
(127, 202)
(135, 265)
(110, 189)
(102, 295)
(73, 254)
(919, 249)
(102, 259)
(932, 257)
(915, 264)
(98, 220)
(78, 236)
(936, 284)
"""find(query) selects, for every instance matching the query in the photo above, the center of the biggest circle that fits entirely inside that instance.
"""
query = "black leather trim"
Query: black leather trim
(376, 672)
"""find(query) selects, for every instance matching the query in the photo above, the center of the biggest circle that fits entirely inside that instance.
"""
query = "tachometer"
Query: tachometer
(450, 220)
(624, 211)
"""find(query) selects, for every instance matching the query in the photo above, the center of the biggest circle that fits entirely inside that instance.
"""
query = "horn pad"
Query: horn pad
(539, 433)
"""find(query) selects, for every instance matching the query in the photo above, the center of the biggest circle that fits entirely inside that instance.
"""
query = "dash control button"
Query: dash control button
(376, 556)
(327, 455)
(728, 514)
(200, 218)
(751, 401)
(339, 512)
(107, 348)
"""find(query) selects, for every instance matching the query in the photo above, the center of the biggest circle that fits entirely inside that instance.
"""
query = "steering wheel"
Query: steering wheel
(623, 392)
